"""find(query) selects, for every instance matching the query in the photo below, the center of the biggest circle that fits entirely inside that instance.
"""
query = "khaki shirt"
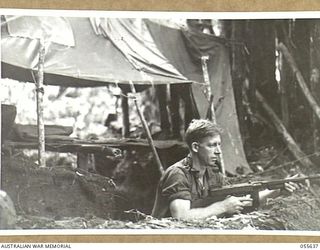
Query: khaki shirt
(180, 181)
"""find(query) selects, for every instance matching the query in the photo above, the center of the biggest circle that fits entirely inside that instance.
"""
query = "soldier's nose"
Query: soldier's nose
(217, 150)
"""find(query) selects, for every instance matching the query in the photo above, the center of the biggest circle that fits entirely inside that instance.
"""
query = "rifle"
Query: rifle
(251, 188)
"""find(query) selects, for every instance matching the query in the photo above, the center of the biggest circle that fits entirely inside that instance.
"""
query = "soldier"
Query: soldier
(191, 178)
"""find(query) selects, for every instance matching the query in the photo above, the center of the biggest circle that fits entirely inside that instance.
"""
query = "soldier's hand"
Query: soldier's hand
(291, 187)
(234, 205)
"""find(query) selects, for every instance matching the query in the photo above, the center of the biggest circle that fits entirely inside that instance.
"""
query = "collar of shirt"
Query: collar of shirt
(188, 163)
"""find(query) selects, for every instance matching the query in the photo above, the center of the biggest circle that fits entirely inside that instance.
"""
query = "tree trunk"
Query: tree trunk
(238, 69)
(301, 40)
(300, 79)
(315, 76)
(284, 91)
(293, 147)
(262, 62)
(254, 50)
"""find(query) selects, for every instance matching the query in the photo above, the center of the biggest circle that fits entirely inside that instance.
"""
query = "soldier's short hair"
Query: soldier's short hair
(199, 129)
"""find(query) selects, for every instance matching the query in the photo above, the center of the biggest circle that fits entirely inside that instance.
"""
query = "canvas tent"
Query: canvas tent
(92, 61)
(103, 51)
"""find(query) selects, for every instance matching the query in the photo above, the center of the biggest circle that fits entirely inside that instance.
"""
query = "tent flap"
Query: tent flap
(132, 38)
(54, 29)
(224, 101)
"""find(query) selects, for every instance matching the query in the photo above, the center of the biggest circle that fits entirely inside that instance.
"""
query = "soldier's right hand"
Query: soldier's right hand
(234, 205)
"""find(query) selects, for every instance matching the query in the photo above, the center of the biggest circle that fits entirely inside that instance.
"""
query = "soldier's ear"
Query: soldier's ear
(195, 147)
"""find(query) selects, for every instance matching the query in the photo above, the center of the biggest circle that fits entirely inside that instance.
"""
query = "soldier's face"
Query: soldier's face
(209, 150)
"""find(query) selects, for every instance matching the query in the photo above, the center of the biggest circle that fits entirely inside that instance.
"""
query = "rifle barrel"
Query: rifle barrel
(274, 184)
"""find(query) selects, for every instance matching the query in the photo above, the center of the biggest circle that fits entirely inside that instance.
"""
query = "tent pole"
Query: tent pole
(40, 93)
(125, 114)
(209, 95)
(161, 92)
(208, 92)
(146, 128)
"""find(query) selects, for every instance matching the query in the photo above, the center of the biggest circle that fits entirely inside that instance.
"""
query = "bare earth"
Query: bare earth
(61, 197)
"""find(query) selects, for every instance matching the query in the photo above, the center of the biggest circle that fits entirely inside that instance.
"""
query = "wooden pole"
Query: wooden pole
(40, 93)
(209, 96)
(161, 92)
(300, 79)
(208, 93)
(146, 128)
(292, 146)
(125, 115)
(0, 146)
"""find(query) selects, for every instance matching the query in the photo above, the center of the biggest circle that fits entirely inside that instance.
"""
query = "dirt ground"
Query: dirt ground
(62, 197)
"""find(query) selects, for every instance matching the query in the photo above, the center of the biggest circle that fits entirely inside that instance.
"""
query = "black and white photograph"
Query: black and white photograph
(160, 123)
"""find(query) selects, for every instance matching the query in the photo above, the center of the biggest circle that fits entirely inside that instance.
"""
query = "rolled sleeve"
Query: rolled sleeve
(176, 186)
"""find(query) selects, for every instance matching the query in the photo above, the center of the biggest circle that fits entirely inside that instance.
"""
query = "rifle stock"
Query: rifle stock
(250, 188)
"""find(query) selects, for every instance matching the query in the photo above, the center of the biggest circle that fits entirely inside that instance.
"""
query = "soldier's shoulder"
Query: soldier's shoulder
(179, 167)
